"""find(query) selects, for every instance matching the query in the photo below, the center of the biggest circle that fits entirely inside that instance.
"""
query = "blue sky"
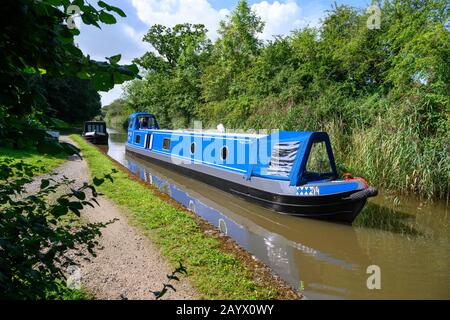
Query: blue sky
(280, 16)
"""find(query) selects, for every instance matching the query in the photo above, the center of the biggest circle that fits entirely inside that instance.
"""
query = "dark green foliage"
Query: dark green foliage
(382, 94)
(36, 234)
(172, 85)
(36, 40)
(71, 99)
(116, 114)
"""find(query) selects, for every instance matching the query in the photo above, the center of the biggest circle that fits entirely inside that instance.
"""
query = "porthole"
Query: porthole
(223, 153)
(192, 147)
(166, 144)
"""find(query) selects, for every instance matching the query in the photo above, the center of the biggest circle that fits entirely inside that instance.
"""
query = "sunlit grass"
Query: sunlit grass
(45, 163)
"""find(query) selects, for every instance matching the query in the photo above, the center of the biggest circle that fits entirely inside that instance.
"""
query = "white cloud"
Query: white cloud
(108, 41)
(111, 40)
(280, 18)
(172, 12)
(125, 37)
(111, 95)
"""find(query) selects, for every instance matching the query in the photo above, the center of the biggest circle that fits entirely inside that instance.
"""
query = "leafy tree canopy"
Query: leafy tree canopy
(38, 39)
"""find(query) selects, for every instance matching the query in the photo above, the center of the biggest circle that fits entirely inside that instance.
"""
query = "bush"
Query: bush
(35, 235)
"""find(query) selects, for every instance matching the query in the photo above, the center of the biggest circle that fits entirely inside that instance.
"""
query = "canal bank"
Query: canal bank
(408, 239)
(217, 267)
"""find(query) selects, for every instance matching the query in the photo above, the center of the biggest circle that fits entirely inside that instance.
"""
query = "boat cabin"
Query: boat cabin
(298, 157)
(95, 132)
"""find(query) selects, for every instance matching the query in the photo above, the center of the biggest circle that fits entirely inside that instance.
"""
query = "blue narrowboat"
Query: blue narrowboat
(289, 172)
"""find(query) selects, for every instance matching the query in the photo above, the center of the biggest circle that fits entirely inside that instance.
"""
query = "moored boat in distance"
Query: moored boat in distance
(95, 132)
(289, 172)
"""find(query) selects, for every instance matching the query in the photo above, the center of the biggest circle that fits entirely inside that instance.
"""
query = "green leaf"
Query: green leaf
(171, 287)
(59, 210)
(87, 203)
(76, 211)
(114, 59)
(75, 205)
(108, 7)
(63, 201)
(89, 19)
(160, 294)
(98, 181)
(102, 4)
(107, 18)
(44, 183)
(79, 194)
(173, 277)
(118, 11)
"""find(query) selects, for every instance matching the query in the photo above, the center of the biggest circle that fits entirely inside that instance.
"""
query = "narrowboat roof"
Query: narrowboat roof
(140, 114)
(285, 135)
(216, 133)
(95, 122)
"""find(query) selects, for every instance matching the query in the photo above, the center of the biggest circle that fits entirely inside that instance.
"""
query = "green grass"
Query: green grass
(46, 163)
(215, 274)
(65, 293)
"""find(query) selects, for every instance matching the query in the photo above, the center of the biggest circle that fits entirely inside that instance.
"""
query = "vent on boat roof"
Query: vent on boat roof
(282, 158)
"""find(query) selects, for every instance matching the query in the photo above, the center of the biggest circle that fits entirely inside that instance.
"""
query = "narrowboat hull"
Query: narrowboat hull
(97, 139)
(340, 207)
(95, 132)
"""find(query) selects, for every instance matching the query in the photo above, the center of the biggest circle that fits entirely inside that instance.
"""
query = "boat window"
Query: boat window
(146, 122)
(223, 153)
(318, 164)
(131, 124)
(282, 158)
(166, 144)
(192, 147)
(137, 139)
(143, 122)
(151, 123)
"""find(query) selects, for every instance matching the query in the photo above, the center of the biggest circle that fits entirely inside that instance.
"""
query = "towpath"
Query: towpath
(128, 265)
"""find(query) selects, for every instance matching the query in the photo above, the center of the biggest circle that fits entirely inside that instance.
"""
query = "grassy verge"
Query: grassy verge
(215, 274)
(45, 163)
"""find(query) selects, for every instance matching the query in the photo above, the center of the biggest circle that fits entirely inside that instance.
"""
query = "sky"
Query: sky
(125, 37)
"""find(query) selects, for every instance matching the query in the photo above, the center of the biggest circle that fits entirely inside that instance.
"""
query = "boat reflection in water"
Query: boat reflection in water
(283, 255)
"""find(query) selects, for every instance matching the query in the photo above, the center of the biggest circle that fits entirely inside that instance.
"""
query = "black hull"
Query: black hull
(343, 207)
(97, 139)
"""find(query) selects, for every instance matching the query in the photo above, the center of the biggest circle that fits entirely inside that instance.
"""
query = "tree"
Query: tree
(71, 99)
(36, 39)
(239, 41)
(172, 84)
(116, 113)
(184, 45)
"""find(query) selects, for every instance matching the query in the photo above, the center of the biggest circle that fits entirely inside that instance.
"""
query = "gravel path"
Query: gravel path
(128, 265)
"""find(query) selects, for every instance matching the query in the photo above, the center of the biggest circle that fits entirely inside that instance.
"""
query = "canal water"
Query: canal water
(407, 240)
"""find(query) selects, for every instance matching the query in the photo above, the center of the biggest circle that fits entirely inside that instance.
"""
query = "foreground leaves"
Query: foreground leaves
(35, 235)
